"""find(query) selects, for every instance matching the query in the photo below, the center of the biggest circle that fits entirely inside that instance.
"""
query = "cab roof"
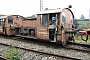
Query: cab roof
(50, 11)
(54, 11)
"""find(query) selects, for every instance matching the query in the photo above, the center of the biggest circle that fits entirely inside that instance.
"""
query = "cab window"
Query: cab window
(0, 22)
(44, 19)
(10, 20)
(63, 17)
(71, 19)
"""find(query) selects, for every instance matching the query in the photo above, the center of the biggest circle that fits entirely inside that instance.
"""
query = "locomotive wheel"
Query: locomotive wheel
(32, 32)
(84, 37)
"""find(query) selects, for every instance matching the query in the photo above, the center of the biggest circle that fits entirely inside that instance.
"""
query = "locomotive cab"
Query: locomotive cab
(52, 25)
(8, 24)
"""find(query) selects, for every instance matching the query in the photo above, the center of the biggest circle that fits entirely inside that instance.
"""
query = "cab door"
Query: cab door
(54, 24)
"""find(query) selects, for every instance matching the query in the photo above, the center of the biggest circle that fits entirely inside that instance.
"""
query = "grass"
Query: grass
(78, 39)
(12, 54)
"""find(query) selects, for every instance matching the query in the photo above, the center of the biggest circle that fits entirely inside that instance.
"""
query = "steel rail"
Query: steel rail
(82, 44)
(84, 50)
(36, 51)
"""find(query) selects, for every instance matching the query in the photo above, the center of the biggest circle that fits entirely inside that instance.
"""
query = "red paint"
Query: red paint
(84, 32)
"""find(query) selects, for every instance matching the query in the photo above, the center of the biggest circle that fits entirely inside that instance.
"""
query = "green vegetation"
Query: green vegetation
(12, 54)
(2, 15)
(78, 39)
(82, 24)
(32, 16)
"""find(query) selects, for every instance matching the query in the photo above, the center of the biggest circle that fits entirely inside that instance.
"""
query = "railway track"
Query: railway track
(36, 51)
(82, 44)
(60, 55)
(78, 46)
(70, 45)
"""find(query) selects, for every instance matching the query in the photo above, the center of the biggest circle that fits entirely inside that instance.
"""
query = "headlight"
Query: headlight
(11, 25)
(3, 20)
(62, 26)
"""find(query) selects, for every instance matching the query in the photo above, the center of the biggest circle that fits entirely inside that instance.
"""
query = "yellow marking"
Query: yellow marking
(42, 32)
(42, 29)
(44, 35)
(45, 32)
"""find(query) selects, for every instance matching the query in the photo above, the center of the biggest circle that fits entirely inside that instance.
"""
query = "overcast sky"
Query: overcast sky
(30, 7)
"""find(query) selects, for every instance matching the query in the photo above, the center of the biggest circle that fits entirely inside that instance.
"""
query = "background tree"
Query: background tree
(32, 16)
(46, 8)
(82, 17)
(2, 15)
